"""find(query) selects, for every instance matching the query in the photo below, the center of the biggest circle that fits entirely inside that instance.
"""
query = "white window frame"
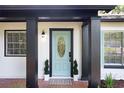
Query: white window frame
(102, 47)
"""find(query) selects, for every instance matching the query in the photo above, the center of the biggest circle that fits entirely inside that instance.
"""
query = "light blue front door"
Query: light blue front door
(60, 53)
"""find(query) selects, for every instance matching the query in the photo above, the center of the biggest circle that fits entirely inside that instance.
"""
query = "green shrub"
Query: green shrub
(75, 70)
(109, 81)
(46, 68)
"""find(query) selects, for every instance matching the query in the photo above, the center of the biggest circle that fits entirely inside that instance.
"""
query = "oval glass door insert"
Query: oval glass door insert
(61, 46)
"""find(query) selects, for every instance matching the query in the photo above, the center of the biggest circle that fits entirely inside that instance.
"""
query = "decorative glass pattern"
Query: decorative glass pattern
(61, 46)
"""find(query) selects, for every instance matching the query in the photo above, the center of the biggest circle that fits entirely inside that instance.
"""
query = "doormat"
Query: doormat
(60, 82)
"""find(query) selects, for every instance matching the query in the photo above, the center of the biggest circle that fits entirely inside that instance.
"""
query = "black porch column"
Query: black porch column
(32, 53)
(85, 50)
(94, 52)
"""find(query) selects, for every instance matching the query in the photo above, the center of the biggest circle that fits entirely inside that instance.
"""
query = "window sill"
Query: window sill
(114, 66)
(15, 55)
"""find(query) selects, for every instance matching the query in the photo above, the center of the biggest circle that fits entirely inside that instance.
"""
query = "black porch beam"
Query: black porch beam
(48, 13)
(55, 7)
(85, 50)
(32, 53)
(94, 52)
(52, 12)
(45, 19)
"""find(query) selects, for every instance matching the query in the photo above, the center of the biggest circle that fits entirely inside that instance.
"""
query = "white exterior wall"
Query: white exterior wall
(15, 67)
(43, 45)
(116, 73)
(11, 67)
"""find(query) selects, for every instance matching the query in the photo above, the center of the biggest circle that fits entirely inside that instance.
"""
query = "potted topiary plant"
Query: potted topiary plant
(46, 71)
(75, 71)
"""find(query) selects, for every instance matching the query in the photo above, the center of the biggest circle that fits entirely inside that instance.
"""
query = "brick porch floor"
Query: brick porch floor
(21, 83)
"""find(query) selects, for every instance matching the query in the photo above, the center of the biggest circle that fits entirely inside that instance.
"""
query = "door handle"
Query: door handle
(70, 57)
(69, 54)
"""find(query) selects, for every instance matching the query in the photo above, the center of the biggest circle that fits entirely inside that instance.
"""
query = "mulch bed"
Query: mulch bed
(117, 84)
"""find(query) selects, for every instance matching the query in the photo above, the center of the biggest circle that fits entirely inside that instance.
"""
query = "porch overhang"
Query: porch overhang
(51, 12)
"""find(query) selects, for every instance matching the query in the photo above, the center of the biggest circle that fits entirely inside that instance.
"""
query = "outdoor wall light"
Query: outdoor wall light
(43, 34)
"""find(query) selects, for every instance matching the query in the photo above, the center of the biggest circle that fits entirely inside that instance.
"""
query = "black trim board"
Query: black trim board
(113, 66)
(5, 44)
(85, 50)
(61, 19)
(111, 19)
(50, 47)
(56, 7)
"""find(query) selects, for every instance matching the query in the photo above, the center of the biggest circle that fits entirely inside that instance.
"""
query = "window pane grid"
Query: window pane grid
(16, 43)
(113, 51)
